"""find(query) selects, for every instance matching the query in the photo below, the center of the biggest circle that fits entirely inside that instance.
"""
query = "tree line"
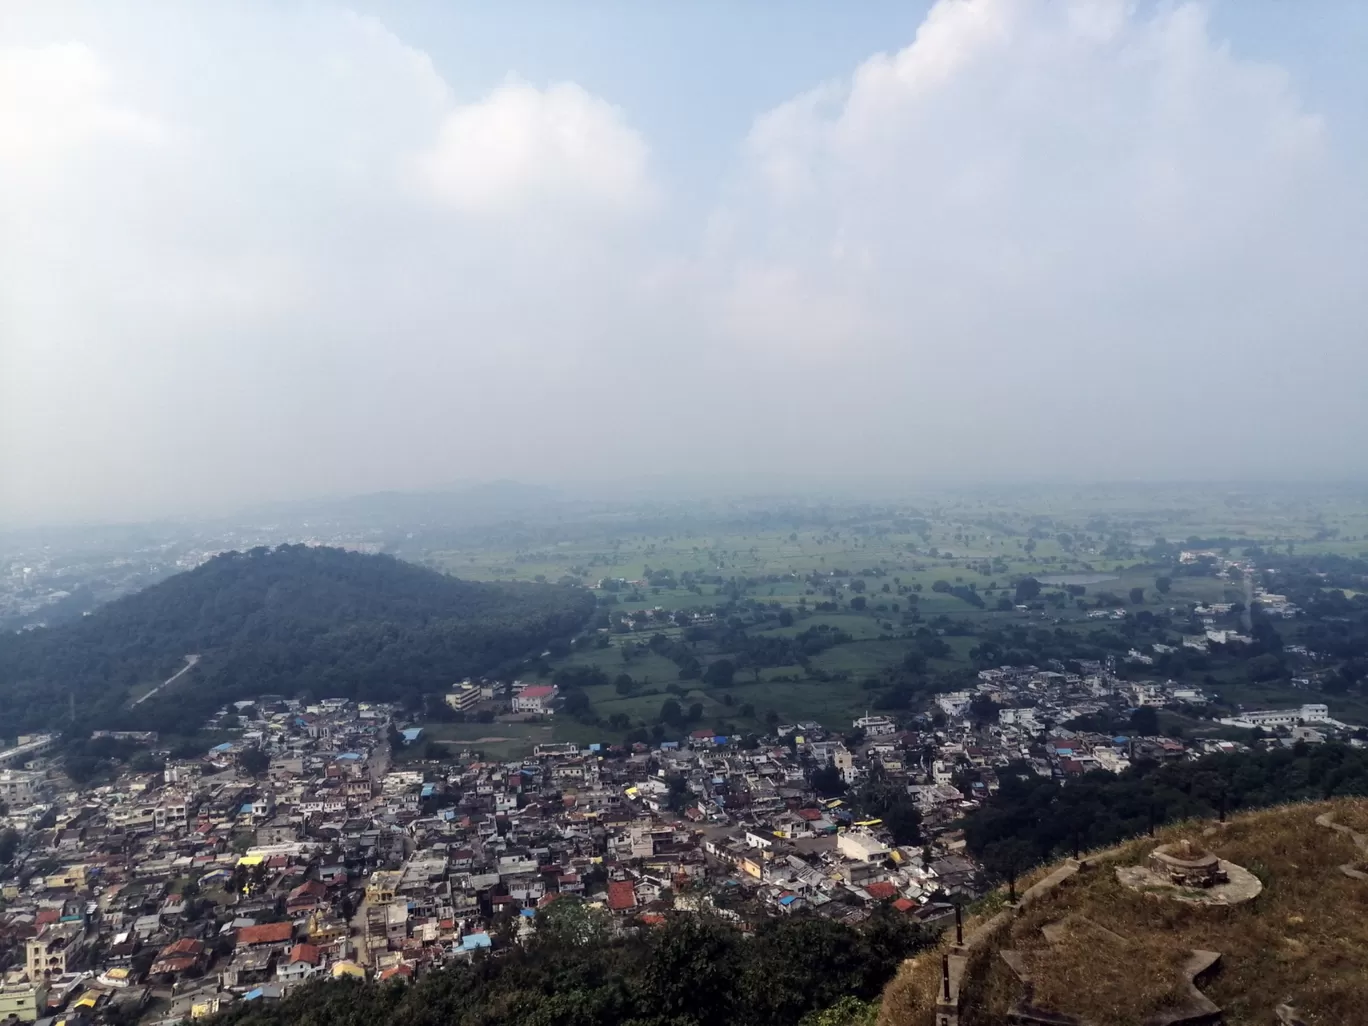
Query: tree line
(1033, 819)
(692, 970)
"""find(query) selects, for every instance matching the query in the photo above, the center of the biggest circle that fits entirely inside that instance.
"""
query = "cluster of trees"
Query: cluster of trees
(1033, 820)
(288, 621)
(758, 651)
(9, 844)
(964, 593)
(691, 971)
(1333, 594)
(89, 759)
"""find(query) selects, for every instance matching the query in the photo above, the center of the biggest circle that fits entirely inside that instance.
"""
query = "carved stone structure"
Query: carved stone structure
(1185, 865)
(1187, 873)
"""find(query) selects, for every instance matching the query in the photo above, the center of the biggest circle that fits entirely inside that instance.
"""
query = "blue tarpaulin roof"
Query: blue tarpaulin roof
(471, 941)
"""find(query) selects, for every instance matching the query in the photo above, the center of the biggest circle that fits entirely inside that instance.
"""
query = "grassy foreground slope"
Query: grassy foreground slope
(291, 621)
(1303, 940)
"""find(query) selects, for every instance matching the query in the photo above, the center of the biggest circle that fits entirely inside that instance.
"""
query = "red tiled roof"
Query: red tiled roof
(540, 691)
(810, 814)
(184, 946)
(305, 953)
(172, 965)
(881, 891)
(904, 904)
(47, 915)
(266, 933)
(621, 895)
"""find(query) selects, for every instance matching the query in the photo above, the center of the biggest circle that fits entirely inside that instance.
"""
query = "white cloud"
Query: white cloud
(238, 296)
(55, 99)
(1071, 229)
(522, 146)
(1034, 191)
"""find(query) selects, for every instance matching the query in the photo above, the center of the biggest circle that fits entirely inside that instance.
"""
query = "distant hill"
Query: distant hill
(1086, 947)
(290, 621)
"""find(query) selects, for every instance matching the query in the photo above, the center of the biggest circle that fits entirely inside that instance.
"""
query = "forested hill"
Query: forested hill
(287, 621)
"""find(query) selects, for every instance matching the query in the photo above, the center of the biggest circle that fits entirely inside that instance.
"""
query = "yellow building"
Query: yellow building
(47, 953)
(382, 886)
(204, 1009)
(21, 997)
(68, 876)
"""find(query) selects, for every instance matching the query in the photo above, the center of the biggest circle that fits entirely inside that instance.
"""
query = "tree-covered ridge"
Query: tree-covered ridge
(693, 970)
(289, 621)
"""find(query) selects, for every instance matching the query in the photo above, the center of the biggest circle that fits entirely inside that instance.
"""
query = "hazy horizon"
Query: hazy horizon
(492, 501)
(265, 253)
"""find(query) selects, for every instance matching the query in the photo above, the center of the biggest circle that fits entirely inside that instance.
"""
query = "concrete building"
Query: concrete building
(861, 846)
(1310, 713)
(844, 762)
(536, 699)
(19, 788)
(30, 746)
(50, 952)
(876, 726)
(465, 698)
(21, 997)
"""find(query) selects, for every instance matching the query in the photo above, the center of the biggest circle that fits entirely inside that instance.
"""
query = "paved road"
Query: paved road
(360, 950)
(190, 661)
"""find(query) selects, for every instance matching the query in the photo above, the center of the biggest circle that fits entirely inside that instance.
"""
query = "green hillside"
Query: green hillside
(293, 620)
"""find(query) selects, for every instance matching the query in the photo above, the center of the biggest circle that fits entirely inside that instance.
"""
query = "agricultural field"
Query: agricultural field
(880, 580)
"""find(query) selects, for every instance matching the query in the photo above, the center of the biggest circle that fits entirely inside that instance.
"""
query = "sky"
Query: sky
(272, 250)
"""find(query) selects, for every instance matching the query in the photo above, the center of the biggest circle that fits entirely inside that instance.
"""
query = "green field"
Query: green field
(754, 565)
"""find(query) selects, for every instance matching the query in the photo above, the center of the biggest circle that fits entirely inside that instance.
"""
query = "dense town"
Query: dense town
(314, 845)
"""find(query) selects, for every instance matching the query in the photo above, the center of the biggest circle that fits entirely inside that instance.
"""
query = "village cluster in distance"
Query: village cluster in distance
(294, 838)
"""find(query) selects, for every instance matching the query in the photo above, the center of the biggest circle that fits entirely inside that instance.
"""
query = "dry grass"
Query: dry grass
(908, 998)
(1305, 938)
(1353, 813)
(1104, 976)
